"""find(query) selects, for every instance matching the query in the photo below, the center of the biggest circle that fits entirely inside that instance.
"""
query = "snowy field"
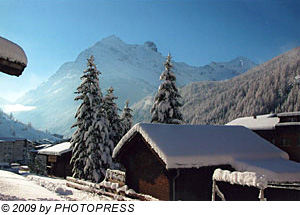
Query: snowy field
(32, 187)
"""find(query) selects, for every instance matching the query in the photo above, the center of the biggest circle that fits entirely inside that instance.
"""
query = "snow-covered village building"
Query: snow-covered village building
(12, 58)
(177, 162)
(58, 159)
(281, 129)
(14, 150)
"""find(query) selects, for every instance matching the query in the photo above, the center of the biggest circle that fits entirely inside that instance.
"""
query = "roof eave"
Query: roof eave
(11, 68)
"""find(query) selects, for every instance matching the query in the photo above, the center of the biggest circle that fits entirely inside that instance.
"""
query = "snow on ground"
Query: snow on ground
(33, 187)
(58, 185)
(16, 187)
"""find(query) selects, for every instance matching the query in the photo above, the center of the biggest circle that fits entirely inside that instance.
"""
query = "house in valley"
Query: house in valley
(281, 129)
(14, 150)
(58, 159)
(176, 162)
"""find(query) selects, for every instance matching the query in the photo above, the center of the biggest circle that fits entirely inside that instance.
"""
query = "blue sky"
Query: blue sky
(196, 32)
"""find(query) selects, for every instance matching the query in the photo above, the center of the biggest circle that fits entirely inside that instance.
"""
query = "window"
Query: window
(285, 142)
(292, 119)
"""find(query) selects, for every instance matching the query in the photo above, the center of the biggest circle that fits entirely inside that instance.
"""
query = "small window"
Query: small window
(285, 142)
(292, 119)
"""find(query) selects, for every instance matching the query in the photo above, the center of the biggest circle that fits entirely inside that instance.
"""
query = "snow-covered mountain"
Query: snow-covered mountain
(9, 127)
(133, 71)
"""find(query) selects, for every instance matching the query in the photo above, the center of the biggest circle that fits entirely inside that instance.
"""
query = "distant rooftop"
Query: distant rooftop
(261, 122)
(57, 149)
(297, 113)
(288, 124)
(3, 139)
(265, 122)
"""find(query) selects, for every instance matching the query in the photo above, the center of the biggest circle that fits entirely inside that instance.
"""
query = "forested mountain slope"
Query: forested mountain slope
(269, 87)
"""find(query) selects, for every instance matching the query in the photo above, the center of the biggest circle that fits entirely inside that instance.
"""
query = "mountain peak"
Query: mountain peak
(112, 39)
(243, 58)
(243, 61)
(151, 45)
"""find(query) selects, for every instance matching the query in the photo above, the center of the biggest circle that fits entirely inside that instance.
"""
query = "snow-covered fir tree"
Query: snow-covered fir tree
(99, 152)
(166, 105)
(115, 124)
(126, 118)
(90, 157)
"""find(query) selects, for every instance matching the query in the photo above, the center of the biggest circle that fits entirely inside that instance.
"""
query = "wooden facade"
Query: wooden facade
(285, 135)
(59, 165)
(145, 172)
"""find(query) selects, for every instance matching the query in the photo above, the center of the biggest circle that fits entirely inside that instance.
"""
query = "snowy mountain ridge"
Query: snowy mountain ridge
(133, 71)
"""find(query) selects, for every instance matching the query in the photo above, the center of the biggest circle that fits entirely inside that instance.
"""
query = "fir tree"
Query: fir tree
(166, 105)
(98, 152)
(115, 124)
(40, 167)
(126, 118)
(90, 154)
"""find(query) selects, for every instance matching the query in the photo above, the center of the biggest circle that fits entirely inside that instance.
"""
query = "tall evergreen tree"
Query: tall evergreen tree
(126, 118)
(115, 125)
(90, 155)
(166, 105)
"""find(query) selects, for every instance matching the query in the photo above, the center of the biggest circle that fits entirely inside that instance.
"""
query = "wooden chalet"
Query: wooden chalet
(12, 58)
(58, 159)
(176, 162)
(281, 129)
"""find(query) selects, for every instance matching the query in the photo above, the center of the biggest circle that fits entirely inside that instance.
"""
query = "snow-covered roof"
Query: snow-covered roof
(188, 146)
(57, 149)
(297, 113)
(288, 124)
(261, 122)
(12, 52)
(10, 139)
